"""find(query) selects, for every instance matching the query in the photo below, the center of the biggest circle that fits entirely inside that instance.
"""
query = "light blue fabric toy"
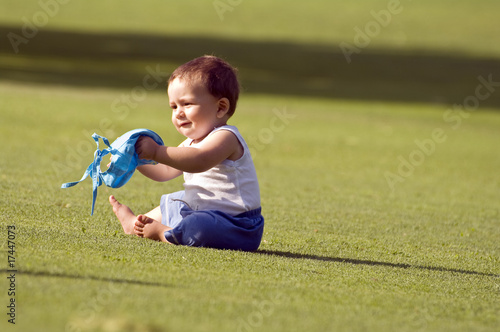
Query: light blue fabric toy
(124, 161)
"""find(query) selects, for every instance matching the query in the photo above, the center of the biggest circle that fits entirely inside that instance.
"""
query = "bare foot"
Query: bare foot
(124, 214)
(149, 228)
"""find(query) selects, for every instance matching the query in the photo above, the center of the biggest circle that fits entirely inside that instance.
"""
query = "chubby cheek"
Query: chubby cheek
(172, 118)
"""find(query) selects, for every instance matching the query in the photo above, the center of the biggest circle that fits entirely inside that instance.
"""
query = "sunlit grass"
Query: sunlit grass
(341, 251)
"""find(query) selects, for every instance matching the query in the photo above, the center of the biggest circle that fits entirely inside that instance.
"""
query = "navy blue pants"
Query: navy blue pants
(210, 228)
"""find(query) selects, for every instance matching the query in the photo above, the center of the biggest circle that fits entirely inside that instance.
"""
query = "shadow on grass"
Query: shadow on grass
(93, 278)
(283, 68)
(371, 263)
(262, 252)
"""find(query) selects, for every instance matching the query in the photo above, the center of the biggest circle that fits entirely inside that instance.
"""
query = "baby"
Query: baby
(220, 204)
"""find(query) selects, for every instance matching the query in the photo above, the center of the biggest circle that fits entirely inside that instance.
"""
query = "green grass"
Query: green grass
(279, 67)
(340, 250)
(445, 26)
(421, 55)
(343, 248)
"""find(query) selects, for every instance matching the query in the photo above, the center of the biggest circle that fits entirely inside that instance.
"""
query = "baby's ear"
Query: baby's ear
(223, 105)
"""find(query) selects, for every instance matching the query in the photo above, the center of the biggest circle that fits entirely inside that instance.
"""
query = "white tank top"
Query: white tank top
(231, 186)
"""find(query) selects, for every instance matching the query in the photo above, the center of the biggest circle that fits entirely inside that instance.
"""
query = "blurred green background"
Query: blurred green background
(418, 51)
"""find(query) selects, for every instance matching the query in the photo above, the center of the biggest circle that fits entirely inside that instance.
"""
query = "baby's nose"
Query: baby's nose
(179, 113)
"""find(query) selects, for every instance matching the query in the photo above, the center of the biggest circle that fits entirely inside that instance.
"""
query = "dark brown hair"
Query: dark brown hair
(216, 74)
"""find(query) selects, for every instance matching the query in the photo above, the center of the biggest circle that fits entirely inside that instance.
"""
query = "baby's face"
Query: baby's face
(194, 109)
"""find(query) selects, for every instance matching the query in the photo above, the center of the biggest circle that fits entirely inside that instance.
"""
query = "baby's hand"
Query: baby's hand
(146, 148)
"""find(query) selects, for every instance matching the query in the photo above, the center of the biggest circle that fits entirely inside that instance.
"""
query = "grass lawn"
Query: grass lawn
(381, 203)
(341, 250)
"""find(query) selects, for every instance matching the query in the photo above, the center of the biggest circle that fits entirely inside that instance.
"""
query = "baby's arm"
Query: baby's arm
(159, 172)
(214, 149)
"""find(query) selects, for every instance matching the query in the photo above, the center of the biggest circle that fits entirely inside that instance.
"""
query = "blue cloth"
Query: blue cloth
(210, 228)
(124, 161)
